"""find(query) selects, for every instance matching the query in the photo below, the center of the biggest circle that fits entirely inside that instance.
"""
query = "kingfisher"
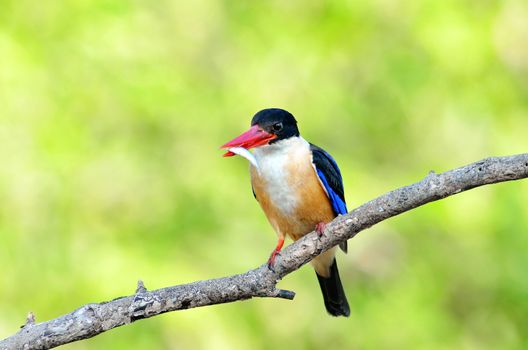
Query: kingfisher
(299, 187)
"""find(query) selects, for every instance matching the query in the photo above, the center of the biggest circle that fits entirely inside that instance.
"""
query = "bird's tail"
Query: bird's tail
(334, 296)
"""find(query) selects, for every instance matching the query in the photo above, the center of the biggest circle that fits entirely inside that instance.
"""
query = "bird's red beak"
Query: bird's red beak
(252, 138)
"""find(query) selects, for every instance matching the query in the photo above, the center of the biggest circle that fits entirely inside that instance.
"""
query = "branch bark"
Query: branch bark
(93, 319)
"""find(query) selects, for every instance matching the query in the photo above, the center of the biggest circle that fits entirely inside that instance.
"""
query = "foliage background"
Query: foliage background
(111, 117)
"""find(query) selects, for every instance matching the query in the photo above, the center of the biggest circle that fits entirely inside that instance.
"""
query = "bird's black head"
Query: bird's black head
(277, 122)
(267, 127)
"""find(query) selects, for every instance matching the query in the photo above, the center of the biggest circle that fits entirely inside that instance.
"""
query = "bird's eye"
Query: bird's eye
(277, 127)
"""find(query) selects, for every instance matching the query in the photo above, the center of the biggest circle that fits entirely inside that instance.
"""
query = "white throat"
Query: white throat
(275, 152)
(274, 167)
(273, 155)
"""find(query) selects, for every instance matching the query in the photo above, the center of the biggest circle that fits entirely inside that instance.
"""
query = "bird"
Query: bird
(299, 187)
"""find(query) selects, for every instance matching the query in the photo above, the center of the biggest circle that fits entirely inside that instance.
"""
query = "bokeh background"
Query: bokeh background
(111, 117)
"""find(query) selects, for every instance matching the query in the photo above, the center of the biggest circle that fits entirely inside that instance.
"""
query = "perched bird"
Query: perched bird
(299, 187)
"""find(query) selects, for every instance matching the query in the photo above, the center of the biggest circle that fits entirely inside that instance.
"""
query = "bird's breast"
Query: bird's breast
(288, 190)
(277, 184)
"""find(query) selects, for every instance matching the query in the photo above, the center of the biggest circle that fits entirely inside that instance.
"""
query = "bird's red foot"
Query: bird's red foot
(271, 260)
(320, 228)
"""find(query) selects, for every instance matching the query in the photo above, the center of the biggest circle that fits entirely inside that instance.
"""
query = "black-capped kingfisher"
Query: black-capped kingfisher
(299, 187)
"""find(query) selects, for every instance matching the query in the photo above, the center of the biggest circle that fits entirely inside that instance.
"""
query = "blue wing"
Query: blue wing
(338, 204)
(330, 176)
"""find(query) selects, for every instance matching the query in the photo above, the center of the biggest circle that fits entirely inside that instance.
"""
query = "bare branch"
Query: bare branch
(93, 319)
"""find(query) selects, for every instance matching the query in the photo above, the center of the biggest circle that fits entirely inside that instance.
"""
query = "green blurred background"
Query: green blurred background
(111, 117)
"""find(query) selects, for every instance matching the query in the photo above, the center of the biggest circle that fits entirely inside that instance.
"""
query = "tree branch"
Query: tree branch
(93, 319)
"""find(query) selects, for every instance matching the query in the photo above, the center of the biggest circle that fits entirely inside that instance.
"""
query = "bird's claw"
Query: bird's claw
(320, 228)
(271, 260)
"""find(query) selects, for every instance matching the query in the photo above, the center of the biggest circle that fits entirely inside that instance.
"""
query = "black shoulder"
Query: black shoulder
(328, 166)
